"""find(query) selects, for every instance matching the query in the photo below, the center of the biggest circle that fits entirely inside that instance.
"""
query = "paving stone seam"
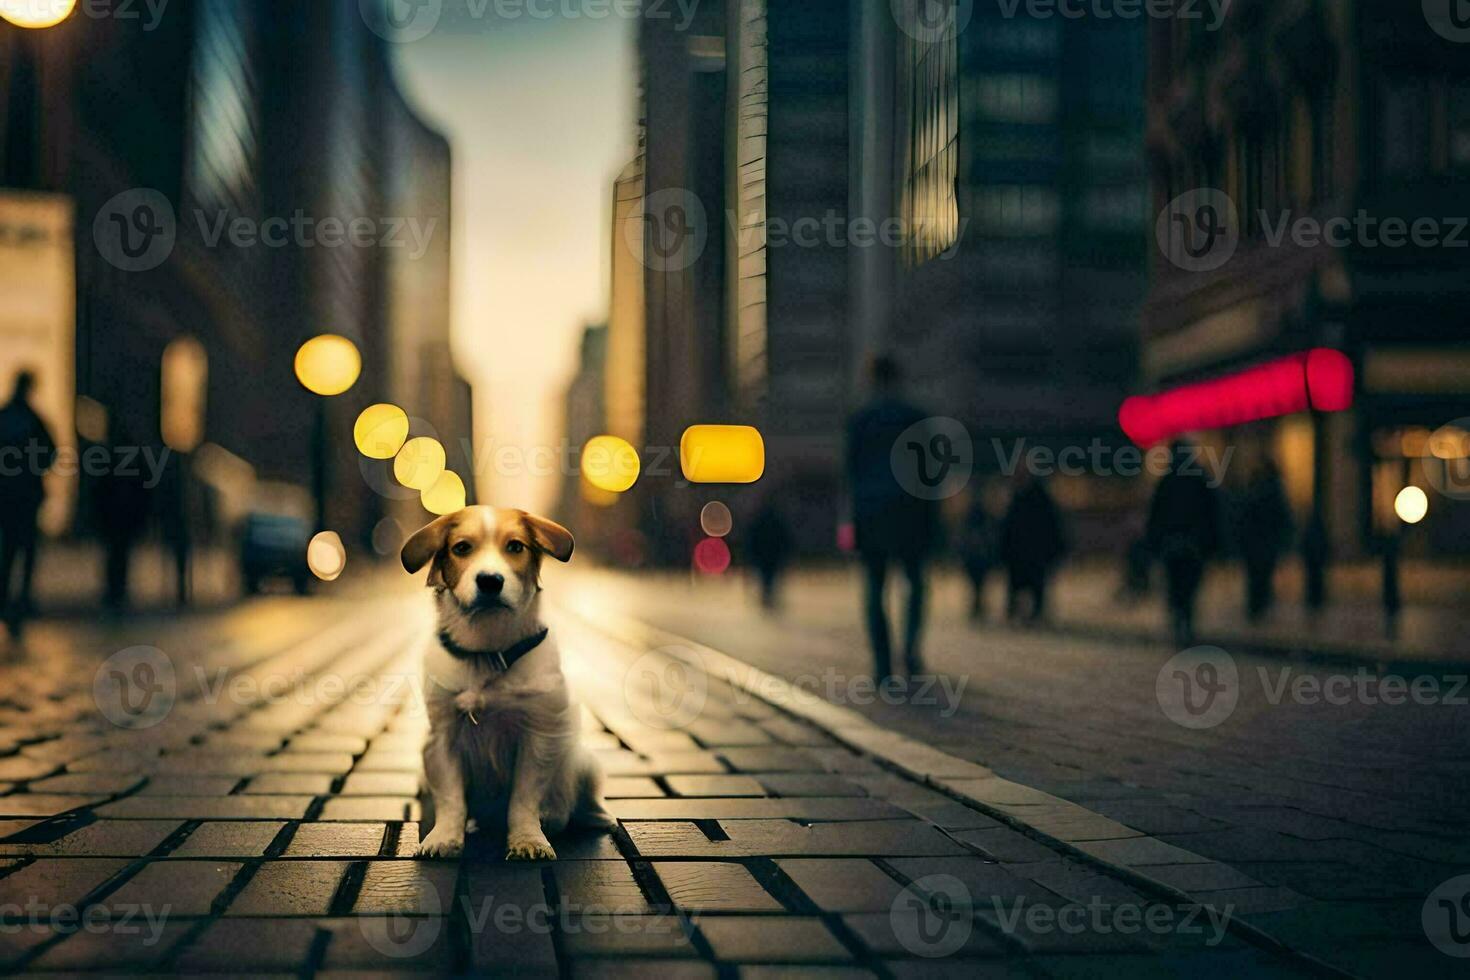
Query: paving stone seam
(857, 733)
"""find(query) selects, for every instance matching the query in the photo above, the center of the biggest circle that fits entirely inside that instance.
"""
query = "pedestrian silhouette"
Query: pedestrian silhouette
(26, 453)
(1184, 532)
(1264, 532)
(1031, 544)
(979, 545)
(891, 524)
(770, 543)
(123, 503)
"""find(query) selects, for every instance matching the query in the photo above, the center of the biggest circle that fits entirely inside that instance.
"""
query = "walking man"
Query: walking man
(26, 453)
(892, 525)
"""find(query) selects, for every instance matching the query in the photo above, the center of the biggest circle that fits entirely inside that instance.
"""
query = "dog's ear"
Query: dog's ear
(550, 537)
(427, 542)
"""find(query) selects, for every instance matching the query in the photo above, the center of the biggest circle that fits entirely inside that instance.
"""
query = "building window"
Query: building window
(1017, 210)
(928, 100)
(225, 123)
(1015, 98)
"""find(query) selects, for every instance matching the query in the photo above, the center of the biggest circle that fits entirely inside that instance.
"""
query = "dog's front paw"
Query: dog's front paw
(441, 843)
(536, 848)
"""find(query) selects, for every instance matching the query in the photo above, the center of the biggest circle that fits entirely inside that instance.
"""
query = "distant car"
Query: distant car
(274, 535)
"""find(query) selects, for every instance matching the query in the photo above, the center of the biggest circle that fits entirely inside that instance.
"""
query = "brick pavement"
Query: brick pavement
(261, 816)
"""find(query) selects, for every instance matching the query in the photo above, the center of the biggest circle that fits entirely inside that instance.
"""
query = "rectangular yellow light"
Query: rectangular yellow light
(722, 454)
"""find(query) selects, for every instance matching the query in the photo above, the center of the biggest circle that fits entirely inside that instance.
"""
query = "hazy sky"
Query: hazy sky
(540, 113)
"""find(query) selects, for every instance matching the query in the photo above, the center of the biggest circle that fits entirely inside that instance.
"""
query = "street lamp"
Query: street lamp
(327, 365)
(36, 14)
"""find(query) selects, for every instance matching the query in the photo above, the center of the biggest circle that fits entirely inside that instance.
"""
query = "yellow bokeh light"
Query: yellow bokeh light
(1411, 505)
(381, 431)
(722, 454)
(596, 496)
(420, 463)
(328, 365)
(610, 463)
(36, 13)
(446, 496)
(326, 556)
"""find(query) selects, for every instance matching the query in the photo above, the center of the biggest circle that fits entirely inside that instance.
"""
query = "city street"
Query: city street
(238, 794)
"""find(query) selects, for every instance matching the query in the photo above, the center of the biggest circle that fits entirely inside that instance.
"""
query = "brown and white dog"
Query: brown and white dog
(501, 720)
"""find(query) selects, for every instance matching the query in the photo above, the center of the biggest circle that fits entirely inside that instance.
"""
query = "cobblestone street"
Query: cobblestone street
(220, 802)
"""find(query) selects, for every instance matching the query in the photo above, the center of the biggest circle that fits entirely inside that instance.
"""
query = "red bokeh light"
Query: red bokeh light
(1320, 379)
(712, 556)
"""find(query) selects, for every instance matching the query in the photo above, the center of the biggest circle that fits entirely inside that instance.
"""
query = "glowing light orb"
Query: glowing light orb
(722, 454)
(380, 431)
(446, 496)
(36, 13)
(610, 464)
(328, 365)
(1411, 505)
(712, 556)
(715, 519)
(326, 556)
(420, 463)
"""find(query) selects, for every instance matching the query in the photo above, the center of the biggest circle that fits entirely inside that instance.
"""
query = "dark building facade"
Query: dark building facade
(288, 135)
(973, 202)
(1349, 116)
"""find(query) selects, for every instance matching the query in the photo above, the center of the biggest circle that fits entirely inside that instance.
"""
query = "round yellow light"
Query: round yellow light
(446, 495)
(381, 431)
(610, 463)
(1411, 505)
(36, 13)
(328, 365)
(420, 463)
(326, 556)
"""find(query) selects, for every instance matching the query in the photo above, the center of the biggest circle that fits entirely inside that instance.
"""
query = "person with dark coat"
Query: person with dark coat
(1031, 543)
(1184, 532)
(978, 548)
(123, 505)
(770, 543)
(1264, 533)
(26, 453)
(891, 524)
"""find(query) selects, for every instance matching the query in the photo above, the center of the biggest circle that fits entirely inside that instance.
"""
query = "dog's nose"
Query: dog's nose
(490, 583)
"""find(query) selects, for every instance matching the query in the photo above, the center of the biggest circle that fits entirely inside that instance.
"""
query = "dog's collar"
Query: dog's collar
(503, 659)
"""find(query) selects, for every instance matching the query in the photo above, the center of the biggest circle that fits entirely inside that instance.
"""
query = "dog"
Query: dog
(501, 720)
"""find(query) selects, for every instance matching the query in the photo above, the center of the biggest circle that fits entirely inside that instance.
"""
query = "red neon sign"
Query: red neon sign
(1318, 379)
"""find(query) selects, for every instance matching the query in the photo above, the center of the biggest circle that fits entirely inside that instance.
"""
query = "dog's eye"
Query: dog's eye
(515, 548)
(463, 548)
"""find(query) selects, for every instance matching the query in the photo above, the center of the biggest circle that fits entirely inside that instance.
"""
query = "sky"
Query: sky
(540, 113)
